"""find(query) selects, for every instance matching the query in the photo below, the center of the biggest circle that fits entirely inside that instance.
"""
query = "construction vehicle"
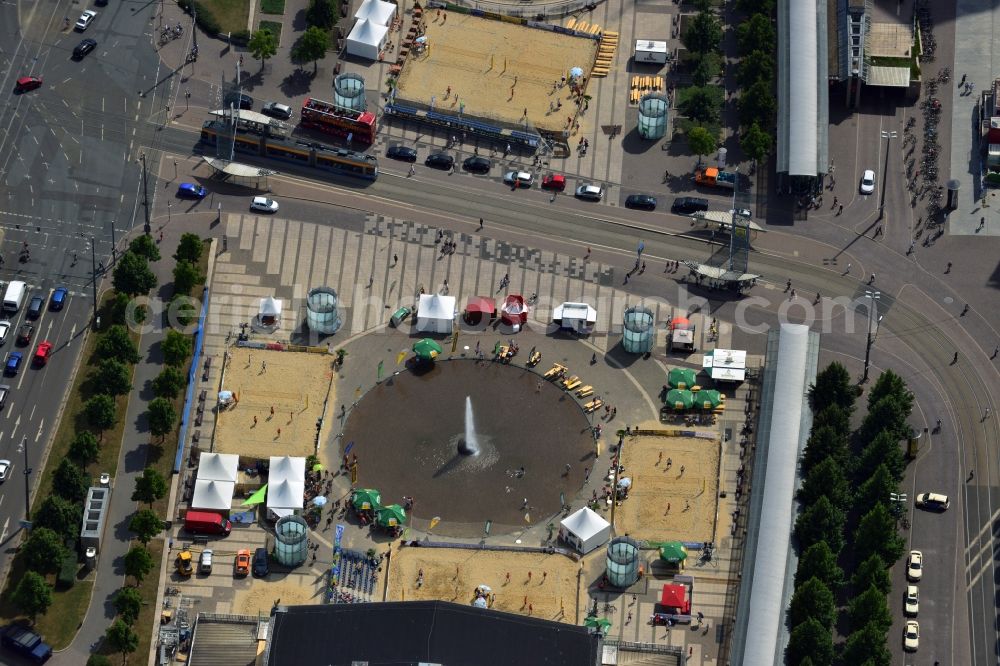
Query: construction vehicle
(712, 177)
(183, 563)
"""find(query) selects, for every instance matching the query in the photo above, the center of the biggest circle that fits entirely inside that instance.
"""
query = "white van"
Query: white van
(14, 296)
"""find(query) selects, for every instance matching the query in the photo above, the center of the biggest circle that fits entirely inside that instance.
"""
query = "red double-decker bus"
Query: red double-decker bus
(338, 121)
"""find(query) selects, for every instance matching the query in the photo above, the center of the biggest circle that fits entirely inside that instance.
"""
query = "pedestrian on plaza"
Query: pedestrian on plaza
(480, 224)
(954, 359)
(841, 209)
(412, 171)
(996, 350)
(279, 432)
(255, 421)
(965, 309)
(871, 279)
(626, 278)
(395, 259)
(566, 471)
(593, 359)
(272, 412)
(986, 414)
(788, 285)
(682, 470)
(948, 269)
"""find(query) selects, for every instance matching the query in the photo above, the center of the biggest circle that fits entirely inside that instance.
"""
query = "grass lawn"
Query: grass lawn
(231, 15)
(272, 6)
(59, 625)
(274, 27)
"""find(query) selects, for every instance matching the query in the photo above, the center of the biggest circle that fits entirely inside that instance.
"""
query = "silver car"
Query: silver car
(590, 192)
(264, 205)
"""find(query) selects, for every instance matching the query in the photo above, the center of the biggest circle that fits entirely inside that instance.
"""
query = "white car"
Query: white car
(915, 565)
(4, 330)
(911, 602)
(911, 636)
(518, 178)
(4, 469)
(86, 18)
(205, 563)
(4, 392)
(264, 204)
(589, 191)
(867, 182)
(105, 479)
(933, 501)
(742, 212)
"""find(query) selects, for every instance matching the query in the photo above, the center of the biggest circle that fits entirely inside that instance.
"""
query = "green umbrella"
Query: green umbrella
(673, 551)
(365, 499)
(680, 399)
(681, 378)
(426, 349)
(318, 467)
(258, 497)
(602, 623)
(708, 399)
(390, 516)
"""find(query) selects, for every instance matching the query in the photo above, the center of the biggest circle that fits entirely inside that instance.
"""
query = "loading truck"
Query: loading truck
(712, 177)
(207, 522)
(14, 296)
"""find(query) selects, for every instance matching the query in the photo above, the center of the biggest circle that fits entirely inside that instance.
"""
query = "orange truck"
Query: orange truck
(712, 177)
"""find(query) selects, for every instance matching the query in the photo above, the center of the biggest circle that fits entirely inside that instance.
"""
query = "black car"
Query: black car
(83, 48)
(477, 164)
(640, 201)
(241, 101)
(260, 562)
(35, 307)
(440, 161)
(402, 153)
(688, 205)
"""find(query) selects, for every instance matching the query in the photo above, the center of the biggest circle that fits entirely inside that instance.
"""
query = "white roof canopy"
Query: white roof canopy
(286, 494)
(291, 468)
(366, 39)
(376, 11)
(270, 307)
(575, 311)
(218, 467)
(217, 495)
(726, 364)
(585, 524)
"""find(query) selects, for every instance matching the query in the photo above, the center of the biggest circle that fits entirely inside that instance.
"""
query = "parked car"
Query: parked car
(867, 182)
(518, 178)
(4, 331)
(911, 636)
(191, 191)
(399, 316)
(911, 602)
(688, 205)
(242, 565)
(554, 181)
(915, 565)
(440, 161)
(264, 204)
(26, 83)
(477, 164)
(239, 100)
(4, 392)
(35, 307)
(86, 18)
(24, 334)
(83, 48)
(261, 566)
(641, 201)
(13, 363)
(933, 501)
(276, 110)
(26, 643)
(4, 468)
(402, 153)
(205, 562)
(58, 299)
(590, 192)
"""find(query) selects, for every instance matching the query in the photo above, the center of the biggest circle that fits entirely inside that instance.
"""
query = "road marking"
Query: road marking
(72, 332)
(32, 415)
(10, 407)
(3, 534)
(41, 427)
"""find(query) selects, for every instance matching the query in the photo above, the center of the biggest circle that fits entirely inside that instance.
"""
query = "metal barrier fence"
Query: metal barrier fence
(525, 9)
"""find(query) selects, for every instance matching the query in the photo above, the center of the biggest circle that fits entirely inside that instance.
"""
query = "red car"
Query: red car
(26, 83)
(42, 353)
(554, 181)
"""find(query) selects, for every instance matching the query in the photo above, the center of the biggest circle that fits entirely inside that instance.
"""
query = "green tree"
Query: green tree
(827, 478)
(877, 535)
(145, 247)
(98, 660)
(833, 417)
(186, 276)
(69, 481)
(872, 573)
(169, 383)
(262, 45)
(132, 275)
(818, 561)
(84, 447)
(149, 487)
(810, 639)
(833, 387)
(128, 603)
(883, 450)
(115, 343)
(702, 105)
(138, 563)
(757, 104)
(32, 596)
(176, 348)
(755, 33)
(876, 488)
(121, 638)
(814, 600)
(189, 249)
(322, 14)
(823, 443)
(703, 34)
(112, 377)
(765, 7)
(101, 413)
(162, 417)
(887, 417)
(755, 66)
(43, 551)
(890, 384)
(870, 607)
(146, 525)
(311, 47)
(707, 67)
(867, 646)
(701, 142)
(59, 515)
(755, 142)
(821, 522)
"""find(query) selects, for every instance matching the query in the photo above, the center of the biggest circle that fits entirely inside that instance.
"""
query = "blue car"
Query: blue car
(191, 191)
(58, 298)
(13, 363)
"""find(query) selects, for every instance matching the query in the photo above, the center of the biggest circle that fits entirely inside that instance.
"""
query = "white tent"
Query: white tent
(292, 468)
(435, 313)
(367, 39)
(575, 316)
(286, 485)
(218, 467)
(585, 530)
(213, 495)
(376, 11)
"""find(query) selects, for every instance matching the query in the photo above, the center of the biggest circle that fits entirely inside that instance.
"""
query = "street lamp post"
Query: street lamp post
(145, 193)
(93, 266)
(888, 136)
(27, 479)
(873, 297)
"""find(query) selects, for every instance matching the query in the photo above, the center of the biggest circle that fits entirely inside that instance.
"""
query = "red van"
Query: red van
(207, 522)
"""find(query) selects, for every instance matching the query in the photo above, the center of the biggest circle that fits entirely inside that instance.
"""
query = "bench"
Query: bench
(198, 418)
(196, 436)
(203, 396)
(593, 405)
(585, 391)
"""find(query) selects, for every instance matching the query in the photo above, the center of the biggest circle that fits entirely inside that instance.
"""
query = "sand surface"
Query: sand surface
(294, 590)
(293, 384)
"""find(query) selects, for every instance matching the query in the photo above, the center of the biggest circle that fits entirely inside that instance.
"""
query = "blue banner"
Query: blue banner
(339, 536)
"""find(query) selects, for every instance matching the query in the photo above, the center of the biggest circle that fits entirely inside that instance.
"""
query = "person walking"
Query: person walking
(965, 310)
(480, 224)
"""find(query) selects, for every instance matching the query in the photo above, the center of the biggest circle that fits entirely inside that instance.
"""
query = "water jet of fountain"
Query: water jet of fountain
(469, 444)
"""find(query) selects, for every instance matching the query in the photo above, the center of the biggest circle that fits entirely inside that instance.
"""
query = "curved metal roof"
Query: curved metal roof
(803, 89)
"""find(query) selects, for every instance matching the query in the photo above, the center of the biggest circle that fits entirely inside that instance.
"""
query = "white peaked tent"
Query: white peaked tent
(269, 312)
(218, 467)
(435, 313)
(213, 495)
(286, 467)
(367, 39)
(286, 485)
(585, 530)
(376, 11)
